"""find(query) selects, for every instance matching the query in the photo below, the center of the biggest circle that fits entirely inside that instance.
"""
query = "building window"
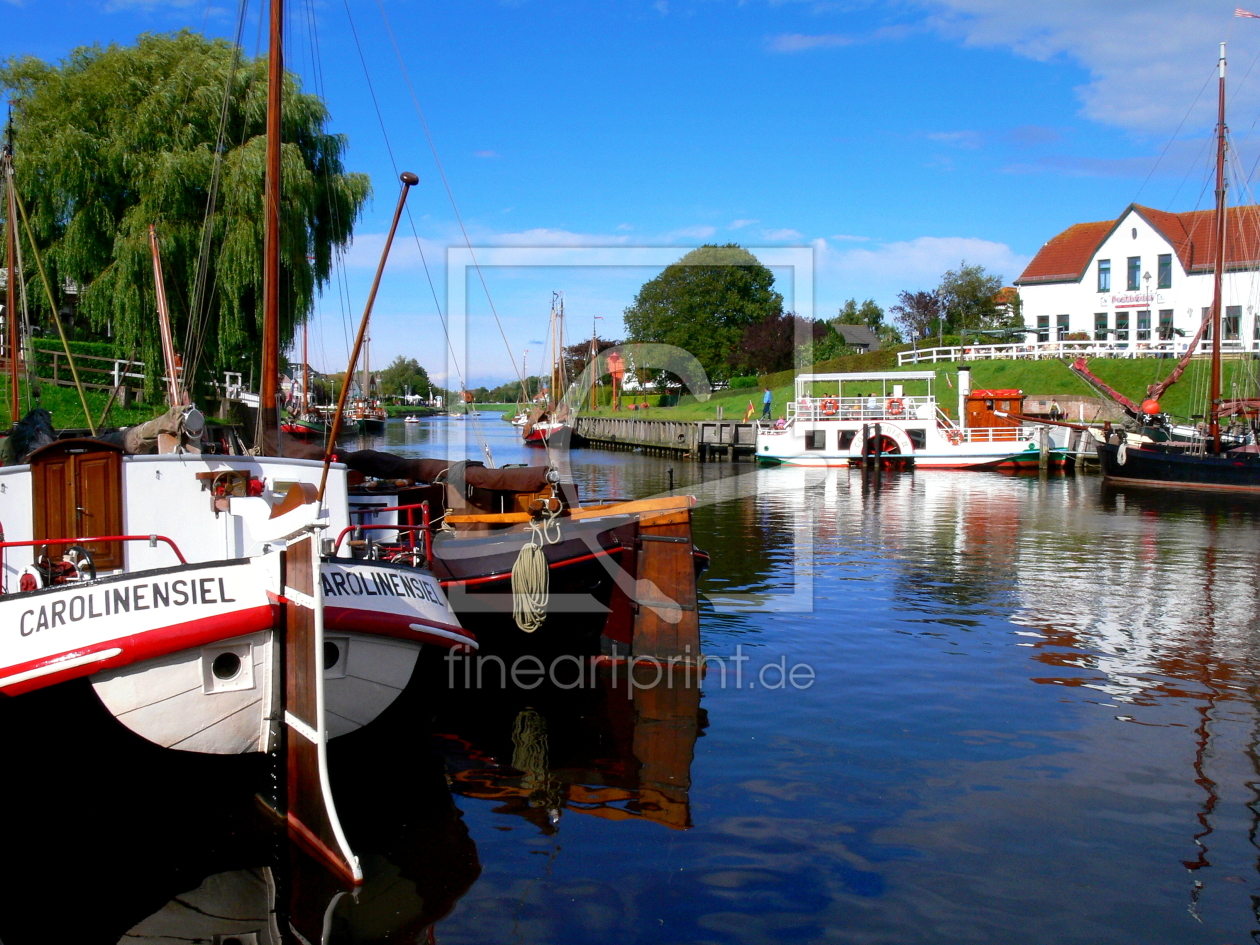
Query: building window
(1207, 322)
(1165, 271)
(1100, 326)
(1165, 324)
(1122, 326)
(816, 439)
(1144, 325)
(1061, 328)
(1255, 331)
(1233, 322)
(1104, 275)
(1043, 327)
(1135, 273)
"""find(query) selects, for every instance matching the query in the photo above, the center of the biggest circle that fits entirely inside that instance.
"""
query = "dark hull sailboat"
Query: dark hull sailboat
(1162, 465)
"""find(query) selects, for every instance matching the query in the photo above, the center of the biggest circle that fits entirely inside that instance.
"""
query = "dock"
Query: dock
(703, 440)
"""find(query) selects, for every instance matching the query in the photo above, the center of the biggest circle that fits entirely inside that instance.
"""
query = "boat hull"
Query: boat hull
(1163, 468)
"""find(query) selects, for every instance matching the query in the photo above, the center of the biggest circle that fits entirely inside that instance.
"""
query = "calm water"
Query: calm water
(1033, 719)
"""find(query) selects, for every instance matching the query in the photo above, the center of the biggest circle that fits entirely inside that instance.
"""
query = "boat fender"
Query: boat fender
(830, 406)
(896, 407)
(1122, 453)
(954, 436)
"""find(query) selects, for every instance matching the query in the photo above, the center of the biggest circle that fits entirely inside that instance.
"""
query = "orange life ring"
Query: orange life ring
(954, 436)
(896, 407)
(830, 406)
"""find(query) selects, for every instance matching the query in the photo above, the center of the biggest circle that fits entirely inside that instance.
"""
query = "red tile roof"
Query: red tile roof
(1192, 236)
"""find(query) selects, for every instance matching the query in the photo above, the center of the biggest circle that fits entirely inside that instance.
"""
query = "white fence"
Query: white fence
(1065, 349)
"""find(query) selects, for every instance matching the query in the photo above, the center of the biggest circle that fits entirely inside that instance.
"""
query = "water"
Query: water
(1033, 718)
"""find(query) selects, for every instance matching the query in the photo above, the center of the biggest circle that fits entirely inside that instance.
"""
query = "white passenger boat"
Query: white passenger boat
(842, 419)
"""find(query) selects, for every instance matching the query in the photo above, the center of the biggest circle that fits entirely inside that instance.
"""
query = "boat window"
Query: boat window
(918, 438)
(847, 437)
(815, 439)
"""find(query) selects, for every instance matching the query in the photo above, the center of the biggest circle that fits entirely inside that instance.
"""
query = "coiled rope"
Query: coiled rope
(531, 578)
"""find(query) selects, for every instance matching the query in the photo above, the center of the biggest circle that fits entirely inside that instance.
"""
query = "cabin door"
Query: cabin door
(77, 488)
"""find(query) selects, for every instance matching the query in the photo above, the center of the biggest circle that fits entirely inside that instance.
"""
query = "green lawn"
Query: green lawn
(1130, 377)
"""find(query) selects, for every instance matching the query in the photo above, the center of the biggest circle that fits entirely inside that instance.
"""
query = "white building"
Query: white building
(1145, 278)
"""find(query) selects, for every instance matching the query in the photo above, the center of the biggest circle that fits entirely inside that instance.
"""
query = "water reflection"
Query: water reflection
(605, 752)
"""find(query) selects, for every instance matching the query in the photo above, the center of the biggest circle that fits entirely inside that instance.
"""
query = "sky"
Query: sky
(890, 139)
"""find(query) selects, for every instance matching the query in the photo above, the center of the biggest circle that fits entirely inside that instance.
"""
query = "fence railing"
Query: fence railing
(1065, 349)
(96, 372)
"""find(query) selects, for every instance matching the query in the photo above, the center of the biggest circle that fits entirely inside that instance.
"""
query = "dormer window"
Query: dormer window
(1104, 275)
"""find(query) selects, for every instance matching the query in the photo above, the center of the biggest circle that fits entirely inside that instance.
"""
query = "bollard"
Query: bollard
(1043, 447)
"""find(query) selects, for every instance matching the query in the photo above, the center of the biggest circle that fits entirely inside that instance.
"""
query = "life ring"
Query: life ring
(895, 407)
(954, 436)
(830, 406)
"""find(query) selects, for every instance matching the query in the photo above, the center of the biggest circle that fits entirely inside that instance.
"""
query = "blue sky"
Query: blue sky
(895, 138)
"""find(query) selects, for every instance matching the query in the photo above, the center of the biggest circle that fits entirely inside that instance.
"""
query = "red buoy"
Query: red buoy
(1150, 407)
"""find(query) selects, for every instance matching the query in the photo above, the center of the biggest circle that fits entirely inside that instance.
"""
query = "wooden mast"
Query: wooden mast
(11, 294)
(306, 376)
(174, 389)
(1214, 394)
(268, 394)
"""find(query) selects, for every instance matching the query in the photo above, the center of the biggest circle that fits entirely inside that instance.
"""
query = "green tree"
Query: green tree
(969, 299)
(868, 313)
(703, 303)
(404, 373)
(116, 138)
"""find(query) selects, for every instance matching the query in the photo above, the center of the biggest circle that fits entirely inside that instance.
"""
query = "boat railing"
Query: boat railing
(425, 525)
(861, 408)
(995, 434)
(93, 540)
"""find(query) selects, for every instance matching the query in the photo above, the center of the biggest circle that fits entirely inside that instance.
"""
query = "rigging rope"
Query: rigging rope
(531, 576)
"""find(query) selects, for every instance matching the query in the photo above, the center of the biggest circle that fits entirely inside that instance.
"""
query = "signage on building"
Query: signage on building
(1137, 300)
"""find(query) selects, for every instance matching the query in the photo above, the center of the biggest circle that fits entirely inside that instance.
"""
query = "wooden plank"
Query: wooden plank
(667, 623)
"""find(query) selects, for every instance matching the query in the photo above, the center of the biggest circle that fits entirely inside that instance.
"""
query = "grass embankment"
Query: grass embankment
(67, 411)
(1048, 377)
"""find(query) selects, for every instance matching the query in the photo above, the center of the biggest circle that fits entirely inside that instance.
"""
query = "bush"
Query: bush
(741, 382)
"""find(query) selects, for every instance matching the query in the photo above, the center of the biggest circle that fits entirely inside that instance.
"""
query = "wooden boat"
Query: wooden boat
(1157, 454)
(850, 419)
(366, 418)
(547, 423)
(616, 573)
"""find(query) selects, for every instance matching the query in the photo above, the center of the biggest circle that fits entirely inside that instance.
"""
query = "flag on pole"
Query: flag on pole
(751, 410)
(1239, 11)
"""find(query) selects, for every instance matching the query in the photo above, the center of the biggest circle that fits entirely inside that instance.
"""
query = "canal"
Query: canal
(952, 707)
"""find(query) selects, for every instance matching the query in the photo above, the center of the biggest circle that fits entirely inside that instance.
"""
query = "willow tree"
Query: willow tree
(171, 132)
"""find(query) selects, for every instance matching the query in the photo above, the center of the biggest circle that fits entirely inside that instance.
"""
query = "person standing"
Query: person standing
(766, 400)
(1055, 413)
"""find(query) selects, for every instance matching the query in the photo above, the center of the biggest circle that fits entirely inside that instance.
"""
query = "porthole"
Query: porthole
(332, 654)
(226, 666)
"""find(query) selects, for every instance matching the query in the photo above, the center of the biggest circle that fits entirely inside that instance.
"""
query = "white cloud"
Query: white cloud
(740, 224)
(846, 238)
(959, 139)
(801, 42)
(690, 233)
(882, 270)
(781, 234)
(1146, 59)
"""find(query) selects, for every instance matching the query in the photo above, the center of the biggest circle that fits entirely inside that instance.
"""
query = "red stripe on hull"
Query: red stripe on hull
(151, 644)
(507, 575)
(381, 624)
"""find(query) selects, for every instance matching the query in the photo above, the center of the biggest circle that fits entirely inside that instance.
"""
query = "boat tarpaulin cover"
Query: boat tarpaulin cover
(380, 465)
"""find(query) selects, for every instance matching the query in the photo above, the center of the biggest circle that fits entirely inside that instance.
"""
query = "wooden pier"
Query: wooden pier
(704, 440)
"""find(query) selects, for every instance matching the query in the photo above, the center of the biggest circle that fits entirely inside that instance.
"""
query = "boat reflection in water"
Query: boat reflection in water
(602, 751)
(113, 839)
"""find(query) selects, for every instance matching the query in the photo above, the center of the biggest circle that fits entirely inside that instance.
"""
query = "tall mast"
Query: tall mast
(11, 294)
(306, 376)
(268, 394)
(1214, 394)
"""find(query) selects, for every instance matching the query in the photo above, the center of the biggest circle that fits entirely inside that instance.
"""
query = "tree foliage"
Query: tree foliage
(868, 313)
(969, 299)
(917, 312)
(704, 303)
(401, 375)
(116, 138)
(771, 345)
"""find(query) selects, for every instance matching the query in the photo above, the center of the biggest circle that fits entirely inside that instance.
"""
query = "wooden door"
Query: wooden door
(78, 493)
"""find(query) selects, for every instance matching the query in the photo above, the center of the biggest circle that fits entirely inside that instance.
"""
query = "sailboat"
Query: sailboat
(548, 422)
(197, 592)
(365, 415)
(1204, 459)
(305, 423)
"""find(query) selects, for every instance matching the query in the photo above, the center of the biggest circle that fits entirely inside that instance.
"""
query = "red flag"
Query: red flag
(751, 411)
(1239, 11)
